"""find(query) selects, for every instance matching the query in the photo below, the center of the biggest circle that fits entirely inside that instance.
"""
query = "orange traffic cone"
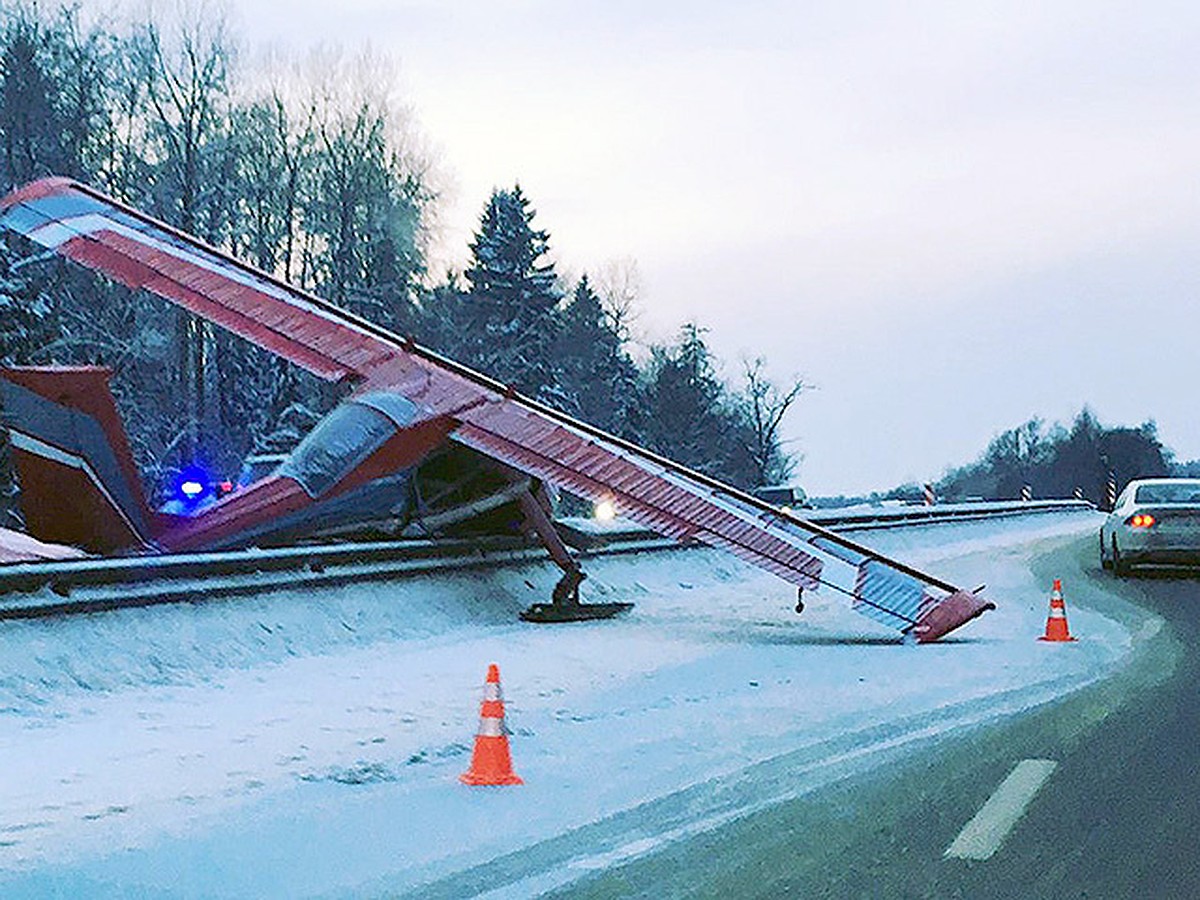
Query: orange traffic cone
(1056, 622)
(491, 762)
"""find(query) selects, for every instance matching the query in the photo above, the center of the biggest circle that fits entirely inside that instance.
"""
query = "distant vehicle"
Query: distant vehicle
(1156, 520)
(786, 496)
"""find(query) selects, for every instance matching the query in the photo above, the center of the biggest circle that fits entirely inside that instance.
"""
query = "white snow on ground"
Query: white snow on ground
(310, 742)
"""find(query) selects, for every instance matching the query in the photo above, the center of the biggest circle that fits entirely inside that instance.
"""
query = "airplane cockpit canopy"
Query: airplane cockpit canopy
(346, 437)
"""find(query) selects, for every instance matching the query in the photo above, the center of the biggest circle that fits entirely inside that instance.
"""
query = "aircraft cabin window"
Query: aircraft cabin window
(341, 441)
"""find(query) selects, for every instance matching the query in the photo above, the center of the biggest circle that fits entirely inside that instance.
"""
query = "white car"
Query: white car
(1156, 520)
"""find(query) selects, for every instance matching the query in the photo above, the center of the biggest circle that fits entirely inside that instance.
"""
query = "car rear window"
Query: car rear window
(1183, 492)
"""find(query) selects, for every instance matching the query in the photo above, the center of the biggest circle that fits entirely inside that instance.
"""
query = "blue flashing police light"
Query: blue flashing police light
(191, 489)
(192, 484)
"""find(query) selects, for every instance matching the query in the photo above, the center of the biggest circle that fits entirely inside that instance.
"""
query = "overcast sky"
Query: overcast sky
(948, 216)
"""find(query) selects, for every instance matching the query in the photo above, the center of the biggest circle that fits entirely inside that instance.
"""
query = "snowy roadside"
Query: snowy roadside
(310, 745)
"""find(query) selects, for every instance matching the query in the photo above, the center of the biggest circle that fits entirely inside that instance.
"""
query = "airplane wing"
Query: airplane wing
(141, 252)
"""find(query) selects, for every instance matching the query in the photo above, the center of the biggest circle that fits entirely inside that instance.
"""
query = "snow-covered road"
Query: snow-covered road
(310, 745)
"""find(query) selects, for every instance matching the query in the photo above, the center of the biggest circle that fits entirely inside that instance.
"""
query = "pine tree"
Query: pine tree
(513, 316)
(598, 377)
(441, 321)
(679, 413)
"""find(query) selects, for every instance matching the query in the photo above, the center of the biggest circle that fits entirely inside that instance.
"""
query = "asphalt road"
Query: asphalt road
(1118, 817)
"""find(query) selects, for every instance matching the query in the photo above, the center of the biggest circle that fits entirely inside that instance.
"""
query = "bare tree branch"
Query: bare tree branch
(766, 405)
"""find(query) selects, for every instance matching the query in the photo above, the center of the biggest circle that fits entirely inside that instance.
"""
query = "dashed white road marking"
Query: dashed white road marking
(983, 835)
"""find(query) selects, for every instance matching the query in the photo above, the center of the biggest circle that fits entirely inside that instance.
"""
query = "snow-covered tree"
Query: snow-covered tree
(680, 408)
(512, 313)
(31, 127)
(371, 196)
(599, 379)
(323, 185)
(25, 319)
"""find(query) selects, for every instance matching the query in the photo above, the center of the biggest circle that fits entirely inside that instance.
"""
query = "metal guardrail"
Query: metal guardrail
(30, 590)
(884, 516)
(585, 533)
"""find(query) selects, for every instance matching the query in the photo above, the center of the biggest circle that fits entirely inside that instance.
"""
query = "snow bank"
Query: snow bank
(309, 744)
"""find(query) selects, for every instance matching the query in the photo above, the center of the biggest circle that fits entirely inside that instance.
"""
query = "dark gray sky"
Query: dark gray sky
(949, 216)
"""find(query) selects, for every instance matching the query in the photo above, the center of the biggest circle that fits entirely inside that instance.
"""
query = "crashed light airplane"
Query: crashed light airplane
(408, 400)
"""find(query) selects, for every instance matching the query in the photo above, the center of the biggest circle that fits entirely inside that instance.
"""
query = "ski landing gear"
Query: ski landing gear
(564, 605)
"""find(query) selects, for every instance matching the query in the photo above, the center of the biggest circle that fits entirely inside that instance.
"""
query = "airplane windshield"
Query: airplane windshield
(341, 441)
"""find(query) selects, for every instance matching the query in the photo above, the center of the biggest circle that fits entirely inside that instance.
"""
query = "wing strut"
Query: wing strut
(565, 605)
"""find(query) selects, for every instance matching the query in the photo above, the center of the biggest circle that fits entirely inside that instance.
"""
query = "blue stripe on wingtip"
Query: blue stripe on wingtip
(29, 215)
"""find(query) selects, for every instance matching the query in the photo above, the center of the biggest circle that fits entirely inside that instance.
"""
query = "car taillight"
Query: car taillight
(1141, 520)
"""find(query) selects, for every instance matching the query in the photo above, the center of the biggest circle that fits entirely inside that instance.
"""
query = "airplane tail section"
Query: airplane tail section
(79, 484)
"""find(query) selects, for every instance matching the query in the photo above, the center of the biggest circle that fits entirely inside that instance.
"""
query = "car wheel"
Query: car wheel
(1105, 562)
(1120, 568)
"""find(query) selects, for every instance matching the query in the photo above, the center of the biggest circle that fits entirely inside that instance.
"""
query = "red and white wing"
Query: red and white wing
(140, 252)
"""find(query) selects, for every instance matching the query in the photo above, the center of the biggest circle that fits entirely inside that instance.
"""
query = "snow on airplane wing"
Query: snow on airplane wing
(91, 228)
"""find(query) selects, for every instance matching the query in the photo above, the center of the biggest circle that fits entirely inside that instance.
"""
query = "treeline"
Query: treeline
(310, 171)
(1056, 462)
(309, 177)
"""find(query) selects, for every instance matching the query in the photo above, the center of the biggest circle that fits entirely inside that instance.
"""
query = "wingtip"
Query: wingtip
(950, 613)
(34, 190)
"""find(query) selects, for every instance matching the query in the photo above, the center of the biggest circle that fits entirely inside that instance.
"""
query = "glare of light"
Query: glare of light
(191, 489)
(605, 511)
(786, 509)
